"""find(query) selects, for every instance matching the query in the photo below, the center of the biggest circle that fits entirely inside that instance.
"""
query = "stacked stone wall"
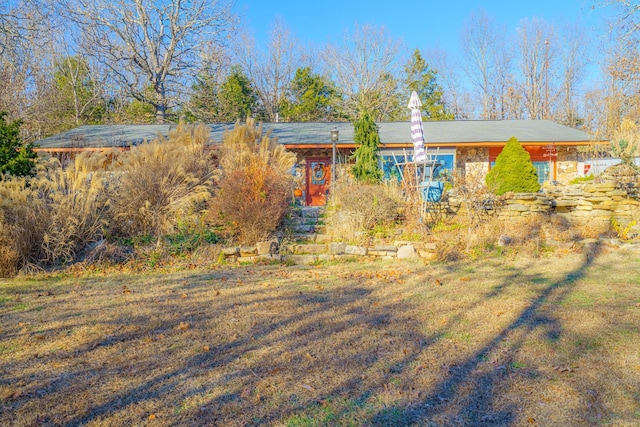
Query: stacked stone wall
(577, 203)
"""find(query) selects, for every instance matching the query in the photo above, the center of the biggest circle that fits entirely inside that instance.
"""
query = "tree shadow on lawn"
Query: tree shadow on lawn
(314, 347)
(469, 394)
(111, 378)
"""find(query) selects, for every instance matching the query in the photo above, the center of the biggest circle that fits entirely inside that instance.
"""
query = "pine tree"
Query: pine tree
(367, 141)
(310, 97)
(423, 79)
(236, 98)
(513, 171)
(16, 158)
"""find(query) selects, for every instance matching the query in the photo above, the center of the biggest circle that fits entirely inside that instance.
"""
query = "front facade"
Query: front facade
(466, 148)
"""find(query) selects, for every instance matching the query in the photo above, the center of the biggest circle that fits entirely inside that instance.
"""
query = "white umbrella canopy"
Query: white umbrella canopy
(416, 128)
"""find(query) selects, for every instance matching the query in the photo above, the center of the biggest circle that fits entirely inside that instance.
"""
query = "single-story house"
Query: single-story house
(467, 147)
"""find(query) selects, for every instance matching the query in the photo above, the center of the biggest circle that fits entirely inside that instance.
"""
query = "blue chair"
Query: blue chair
(432, 190)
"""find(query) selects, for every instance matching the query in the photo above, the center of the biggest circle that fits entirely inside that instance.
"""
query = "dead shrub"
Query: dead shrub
(354, 209)
(251, 202)
(161, 183)
(255, 187)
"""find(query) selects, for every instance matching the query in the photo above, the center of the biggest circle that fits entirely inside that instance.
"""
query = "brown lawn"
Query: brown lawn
(551, 341)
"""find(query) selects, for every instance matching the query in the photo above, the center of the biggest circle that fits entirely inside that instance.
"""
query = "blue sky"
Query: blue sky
(427, 24)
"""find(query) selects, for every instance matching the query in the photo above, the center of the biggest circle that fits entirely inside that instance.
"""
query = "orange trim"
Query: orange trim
(94, 149)
(454, 144)
(77, 149)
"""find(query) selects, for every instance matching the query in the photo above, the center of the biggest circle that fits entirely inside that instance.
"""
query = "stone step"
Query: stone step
(307, 212)
(301, 221)
(302, 228)
(306, 248)
(310, 238)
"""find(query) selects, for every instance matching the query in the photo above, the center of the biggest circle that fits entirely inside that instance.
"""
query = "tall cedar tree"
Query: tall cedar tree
(15, 158)
(367, 141)
(513, 171)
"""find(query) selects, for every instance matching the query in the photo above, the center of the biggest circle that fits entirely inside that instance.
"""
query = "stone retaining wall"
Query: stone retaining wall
(577, 203)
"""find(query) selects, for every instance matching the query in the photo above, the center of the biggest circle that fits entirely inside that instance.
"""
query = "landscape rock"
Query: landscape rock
(266, 247)
(355, 250)
(407, 252)
(248, 250)
(337, 248)
(233, 251)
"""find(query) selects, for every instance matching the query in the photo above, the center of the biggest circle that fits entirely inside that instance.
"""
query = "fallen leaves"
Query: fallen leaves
(184, 326)
(245, 393)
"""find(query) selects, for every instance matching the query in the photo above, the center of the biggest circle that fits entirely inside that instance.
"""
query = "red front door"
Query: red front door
(318, 178)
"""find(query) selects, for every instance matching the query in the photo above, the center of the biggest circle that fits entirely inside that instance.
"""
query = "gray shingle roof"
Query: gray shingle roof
(435, 133)
(100, 136)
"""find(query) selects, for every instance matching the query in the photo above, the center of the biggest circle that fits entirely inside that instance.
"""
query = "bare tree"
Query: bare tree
(622, 73)
(538, 47)
(364, 67)
(574, 56)
(28, 41)
(456, 99)
(487, 61)
(272, 69)
(149, 44)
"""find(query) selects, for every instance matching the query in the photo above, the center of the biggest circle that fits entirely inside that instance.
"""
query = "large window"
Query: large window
(392, 163)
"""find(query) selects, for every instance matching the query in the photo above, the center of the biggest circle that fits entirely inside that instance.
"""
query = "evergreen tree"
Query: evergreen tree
(367, 141)
(423, 80)
(513, 171)
(237, 98)
(15, 158)
(310, 97)
(218, 99)
(203, 104)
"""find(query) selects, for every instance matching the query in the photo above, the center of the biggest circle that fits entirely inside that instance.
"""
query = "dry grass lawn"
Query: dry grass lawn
(547, 342)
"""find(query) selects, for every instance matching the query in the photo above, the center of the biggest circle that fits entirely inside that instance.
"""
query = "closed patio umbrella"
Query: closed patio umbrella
(416, 128)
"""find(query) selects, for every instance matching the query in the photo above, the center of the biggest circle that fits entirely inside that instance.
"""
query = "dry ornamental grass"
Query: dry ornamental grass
(546, 342)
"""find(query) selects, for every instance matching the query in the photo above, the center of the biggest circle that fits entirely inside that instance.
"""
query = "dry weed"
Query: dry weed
(161, 183)
(354, 209)
(48, 218)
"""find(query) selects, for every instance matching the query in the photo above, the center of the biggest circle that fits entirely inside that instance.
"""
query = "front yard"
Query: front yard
(498, 341)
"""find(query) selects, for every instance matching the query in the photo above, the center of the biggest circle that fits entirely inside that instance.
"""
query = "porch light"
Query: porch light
(334, 139)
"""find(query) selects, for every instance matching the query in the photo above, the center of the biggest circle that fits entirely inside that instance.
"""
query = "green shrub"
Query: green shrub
(16, 158)
(514, 171)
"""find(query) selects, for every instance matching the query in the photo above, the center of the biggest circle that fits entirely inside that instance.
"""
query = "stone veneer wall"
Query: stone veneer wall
(473, 163)
(566, 164)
